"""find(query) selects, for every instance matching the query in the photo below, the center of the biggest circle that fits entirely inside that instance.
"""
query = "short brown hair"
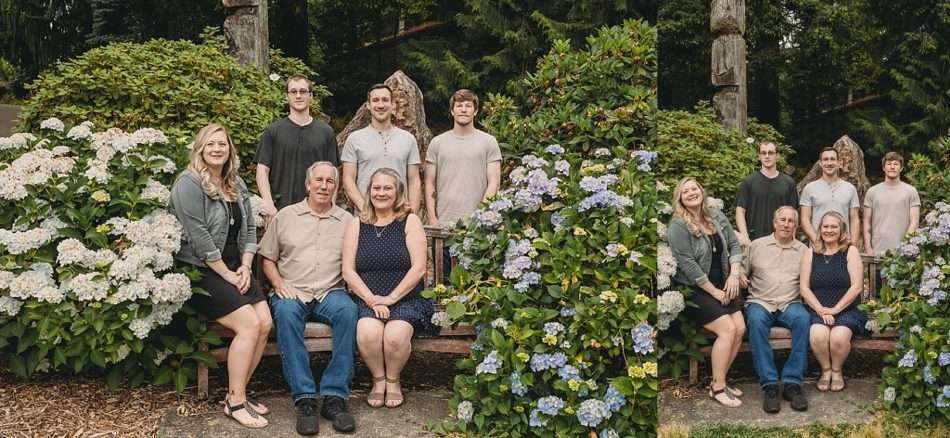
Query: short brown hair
(298, 78)
(379, 87)
(463, 95)
(892, 156)
(766, 143)
(826, 149)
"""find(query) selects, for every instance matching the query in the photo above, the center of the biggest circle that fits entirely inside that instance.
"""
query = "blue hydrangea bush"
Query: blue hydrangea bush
(916, 382)
(557, 271)
(86, 245)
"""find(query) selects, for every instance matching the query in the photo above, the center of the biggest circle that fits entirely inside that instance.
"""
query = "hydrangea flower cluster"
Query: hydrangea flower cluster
(519, 264)
(642, 338)
(123, 260)
(668, 306)
(490, 364)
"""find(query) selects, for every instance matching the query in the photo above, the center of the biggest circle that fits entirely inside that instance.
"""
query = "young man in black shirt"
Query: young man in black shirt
(760, 194)
(289, 146)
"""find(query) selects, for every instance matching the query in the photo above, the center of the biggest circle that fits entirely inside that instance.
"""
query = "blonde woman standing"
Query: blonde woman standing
(708, 259)
(219, 238)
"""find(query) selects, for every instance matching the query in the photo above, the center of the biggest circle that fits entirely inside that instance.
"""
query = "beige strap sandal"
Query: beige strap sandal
(398, 399)
(376, 399)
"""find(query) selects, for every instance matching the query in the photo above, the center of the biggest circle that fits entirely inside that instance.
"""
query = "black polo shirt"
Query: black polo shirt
(760, 196)
(288, 149)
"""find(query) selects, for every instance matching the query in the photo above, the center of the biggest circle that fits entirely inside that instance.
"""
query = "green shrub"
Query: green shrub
(174, 86)
(695, 144)
(581, 99)
(86, 244)
(916, 382)
(931, 176)
(556, 272)
(8, 75)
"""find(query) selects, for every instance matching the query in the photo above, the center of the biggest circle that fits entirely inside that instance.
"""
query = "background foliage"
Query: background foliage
(695, 144)
(174, 86)
(557, 271)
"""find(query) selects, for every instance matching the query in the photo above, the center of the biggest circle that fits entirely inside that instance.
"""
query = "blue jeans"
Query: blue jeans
(290, 316)
(759, 322)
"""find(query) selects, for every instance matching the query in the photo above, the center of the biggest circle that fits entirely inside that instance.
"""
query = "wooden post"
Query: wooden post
(245, 29)
(727, 23)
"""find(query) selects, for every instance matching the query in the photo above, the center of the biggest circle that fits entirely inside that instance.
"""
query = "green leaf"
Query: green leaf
(455, 310)
(181, 380)
(114, 377)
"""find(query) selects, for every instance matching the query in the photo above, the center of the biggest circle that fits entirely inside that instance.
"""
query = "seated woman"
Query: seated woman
(213, 205)
(831, 281)
(384, 261)
(708, 258)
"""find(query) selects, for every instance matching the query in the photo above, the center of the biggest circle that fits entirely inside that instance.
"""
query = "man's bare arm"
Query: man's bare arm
(415, 187)
(494, 179)
(431, 217)
(349, 185)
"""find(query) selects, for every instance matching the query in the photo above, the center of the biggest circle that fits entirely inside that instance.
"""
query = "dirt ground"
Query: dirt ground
(63, 405)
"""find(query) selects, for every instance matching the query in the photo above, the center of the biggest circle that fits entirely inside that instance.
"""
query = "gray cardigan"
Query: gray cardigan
(205, 220)
(694, 254)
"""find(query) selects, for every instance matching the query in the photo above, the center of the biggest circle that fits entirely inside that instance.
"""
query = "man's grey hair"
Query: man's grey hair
(336, 172)
(778, 211)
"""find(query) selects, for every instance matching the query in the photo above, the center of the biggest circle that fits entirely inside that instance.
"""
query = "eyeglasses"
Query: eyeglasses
(768, 153)
(295, 91)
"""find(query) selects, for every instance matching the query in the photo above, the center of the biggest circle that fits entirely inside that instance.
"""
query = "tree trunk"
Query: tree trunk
(728, 75)
(245, 28)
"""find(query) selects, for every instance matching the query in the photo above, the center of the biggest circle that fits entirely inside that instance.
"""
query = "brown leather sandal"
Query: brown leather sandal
(230, 409)
(395, 398)
(377, 397)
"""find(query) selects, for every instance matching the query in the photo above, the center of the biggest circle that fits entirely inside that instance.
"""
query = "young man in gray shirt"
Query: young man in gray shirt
(378, 145)
(463, 168)
(891, 209)
(829, 193)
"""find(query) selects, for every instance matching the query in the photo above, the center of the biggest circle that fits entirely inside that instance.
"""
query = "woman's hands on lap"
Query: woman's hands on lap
(381, 311)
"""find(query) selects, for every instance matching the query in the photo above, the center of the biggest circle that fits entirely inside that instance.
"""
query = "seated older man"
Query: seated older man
(773, 270)
(302, 259)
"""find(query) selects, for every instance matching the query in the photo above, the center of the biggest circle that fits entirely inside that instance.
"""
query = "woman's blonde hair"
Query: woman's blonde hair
(693, 224)
(400, 207)
(197, 164)
(844, 239)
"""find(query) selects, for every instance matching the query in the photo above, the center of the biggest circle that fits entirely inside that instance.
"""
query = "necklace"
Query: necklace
(379, 231)
(227, 208)
(827, 258)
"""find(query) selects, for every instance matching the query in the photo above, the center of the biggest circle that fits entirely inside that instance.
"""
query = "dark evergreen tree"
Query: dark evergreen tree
(916, 85)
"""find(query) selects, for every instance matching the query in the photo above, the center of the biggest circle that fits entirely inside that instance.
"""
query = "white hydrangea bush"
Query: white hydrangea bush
(86, 245)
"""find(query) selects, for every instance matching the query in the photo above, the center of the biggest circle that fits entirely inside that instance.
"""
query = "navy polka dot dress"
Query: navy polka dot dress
(830, 281)
(382, 260)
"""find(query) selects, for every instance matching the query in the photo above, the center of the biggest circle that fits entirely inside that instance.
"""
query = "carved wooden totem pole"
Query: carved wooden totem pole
(727, 23)
(245, 29)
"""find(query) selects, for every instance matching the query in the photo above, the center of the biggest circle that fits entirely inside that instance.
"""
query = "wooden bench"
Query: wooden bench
(781, 338)
(318, 336)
